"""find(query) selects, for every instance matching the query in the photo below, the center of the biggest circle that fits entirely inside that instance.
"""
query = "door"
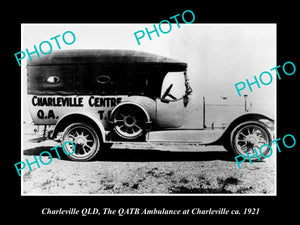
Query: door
(170, 107)
(169, 115)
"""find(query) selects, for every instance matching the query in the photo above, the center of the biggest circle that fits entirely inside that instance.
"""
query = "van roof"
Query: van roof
(105, 56)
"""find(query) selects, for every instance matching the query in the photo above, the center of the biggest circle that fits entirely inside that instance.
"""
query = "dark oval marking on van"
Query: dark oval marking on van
(53, 79)
(103, 79)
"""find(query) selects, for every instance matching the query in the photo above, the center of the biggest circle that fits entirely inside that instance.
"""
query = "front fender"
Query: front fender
(247, 117)
(235, 122)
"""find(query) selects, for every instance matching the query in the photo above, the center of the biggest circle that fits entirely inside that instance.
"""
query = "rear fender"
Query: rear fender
(75, 117)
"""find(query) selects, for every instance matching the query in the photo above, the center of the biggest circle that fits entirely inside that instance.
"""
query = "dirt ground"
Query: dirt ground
(145, 169)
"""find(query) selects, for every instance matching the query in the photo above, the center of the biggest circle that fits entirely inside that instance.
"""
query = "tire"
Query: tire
(248, 136)
(86, 140)
(129, 122)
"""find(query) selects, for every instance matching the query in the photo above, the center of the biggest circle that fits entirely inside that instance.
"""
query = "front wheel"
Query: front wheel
(248, 136)
(85, 139)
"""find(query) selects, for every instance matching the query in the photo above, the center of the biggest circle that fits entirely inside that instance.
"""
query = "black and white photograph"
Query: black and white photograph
(141, 111)
(166, 109)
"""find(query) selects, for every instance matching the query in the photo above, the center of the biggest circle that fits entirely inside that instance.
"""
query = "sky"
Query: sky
(218, 55)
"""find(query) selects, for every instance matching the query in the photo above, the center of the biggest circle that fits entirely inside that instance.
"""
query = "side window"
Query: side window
(146, 83)
(51, 79)
(138, 83)
(102, 80)
(120, 83)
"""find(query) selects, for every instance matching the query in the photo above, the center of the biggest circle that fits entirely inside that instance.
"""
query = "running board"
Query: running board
(186, 136)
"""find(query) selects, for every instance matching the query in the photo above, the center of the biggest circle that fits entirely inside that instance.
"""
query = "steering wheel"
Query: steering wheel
(167, 93)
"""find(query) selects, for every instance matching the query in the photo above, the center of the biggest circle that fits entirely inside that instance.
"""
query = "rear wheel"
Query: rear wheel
(248, 136)
(85, 139)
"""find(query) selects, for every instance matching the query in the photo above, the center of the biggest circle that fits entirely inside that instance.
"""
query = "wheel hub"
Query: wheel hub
(80, 140)
(129, 121)
(251, 141)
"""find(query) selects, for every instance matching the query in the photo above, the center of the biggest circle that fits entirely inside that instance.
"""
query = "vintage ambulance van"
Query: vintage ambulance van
(98, 97)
